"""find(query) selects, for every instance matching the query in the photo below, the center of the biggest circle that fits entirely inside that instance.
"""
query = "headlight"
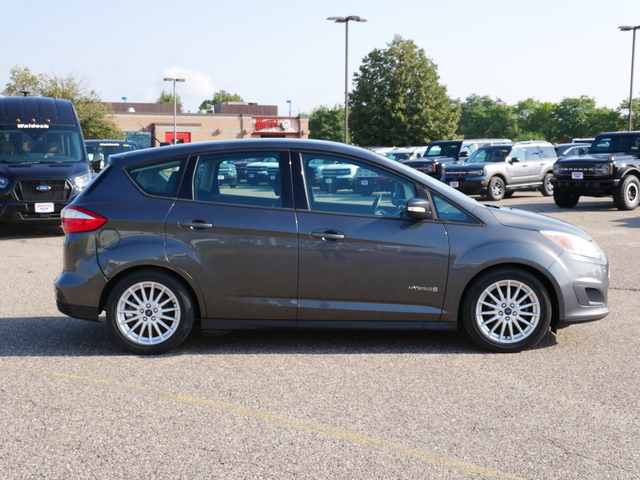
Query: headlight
(573, 243)
(82, 181)
(477, 172)
(4, 182)
(604, 169)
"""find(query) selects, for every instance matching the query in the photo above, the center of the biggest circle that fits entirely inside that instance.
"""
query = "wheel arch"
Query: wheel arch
(549, 285)
(192, 289)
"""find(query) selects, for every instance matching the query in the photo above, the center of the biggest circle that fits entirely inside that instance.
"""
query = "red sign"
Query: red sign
(262, 123)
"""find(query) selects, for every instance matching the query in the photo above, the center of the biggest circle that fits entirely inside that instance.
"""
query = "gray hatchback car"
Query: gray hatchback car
(175, 248)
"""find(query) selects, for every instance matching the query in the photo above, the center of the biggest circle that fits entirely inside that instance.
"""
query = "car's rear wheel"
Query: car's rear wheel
(150, 312)
(625, 196)
(565, 200)
(547, 186)
(496, 189)
(506, 310)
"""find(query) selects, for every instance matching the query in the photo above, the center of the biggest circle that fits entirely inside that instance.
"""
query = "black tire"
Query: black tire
(625, 195)
(547, 187)
(233, 184)
(366, 191)
(506, 310)
(150, 312)
(565, 200)
(496, 189)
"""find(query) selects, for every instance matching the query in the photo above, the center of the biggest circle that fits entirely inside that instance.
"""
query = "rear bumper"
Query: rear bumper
(79, 297)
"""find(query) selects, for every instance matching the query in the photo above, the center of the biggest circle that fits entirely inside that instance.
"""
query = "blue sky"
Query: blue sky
(273, 51)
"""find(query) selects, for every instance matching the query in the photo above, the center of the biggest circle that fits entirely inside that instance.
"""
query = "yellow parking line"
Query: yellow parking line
(337, 433)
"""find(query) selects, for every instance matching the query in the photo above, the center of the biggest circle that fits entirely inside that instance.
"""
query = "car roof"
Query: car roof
(323, 146)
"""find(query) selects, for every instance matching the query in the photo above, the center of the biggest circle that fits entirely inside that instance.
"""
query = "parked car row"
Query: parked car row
(608, 165)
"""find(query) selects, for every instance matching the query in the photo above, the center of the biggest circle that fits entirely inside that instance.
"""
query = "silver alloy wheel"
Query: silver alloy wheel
(148, 313)
(507, 311)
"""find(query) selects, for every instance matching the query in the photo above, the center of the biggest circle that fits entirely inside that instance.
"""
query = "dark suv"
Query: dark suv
(611, 167)
(160, 244)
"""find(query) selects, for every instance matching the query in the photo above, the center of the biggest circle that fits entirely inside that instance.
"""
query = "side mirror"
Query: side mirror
(418, 208)
(463, 154)
(514, 160)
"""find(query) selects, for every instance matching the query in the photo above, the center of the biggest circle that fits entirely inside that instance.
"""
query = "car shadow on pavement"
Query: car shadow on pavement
(62, 336)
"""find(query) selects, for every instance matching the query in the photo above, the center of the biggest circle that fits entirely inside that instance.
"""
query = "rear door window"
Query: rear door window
(216, 179)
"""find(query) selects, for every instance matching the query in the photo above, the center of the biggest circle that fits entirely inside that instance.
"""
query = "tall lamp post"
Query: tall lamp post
(175, 108)
(626, 28)
(346, 20)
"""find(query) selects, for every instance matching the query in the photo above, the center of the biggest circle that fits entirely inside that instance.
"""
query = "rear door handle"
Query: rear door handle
(332, 235)
(195, 224)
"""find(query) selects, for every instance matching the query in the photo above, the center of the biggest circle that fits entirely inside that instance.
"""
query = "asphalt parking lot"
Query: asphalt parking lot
(319, 405)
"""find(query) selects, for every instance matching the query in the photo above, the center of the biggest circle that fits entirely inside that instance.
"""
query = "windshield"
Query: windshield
(45, 144)
(399, 156)
(443, 149)
(626, 143)
(108, 148)
(489, 154)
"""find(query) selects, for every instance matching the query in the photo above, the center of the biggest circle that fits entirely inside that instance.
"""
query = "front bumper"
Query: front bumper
(468, 187)
(25, 213)
(589, 187)
(583, 285)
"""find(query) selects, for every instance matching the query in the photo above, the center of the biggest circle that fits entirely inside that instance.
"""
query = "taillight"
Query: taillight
(78, 219)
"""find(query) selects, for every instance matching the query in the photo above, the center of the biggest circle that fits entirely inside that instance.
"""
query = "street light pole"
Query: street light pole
(346, 20)
(626, 28)
(175, 108)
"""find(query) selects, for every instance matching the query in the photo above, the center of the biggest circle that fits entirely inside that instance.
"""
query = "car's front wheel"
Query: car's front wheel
(150, 312)
(625, 196)
(496, 189)
(506, 310)
(565, 200)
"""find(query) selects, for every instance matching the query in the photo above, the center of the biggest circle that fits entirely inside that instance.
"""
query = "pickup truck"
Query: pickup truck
(611, 167)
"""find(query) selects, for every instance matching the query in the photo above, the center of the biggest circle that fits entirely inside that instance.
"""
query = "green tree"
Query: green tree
(398, 100)
(220, 97)
(327, 123)
(579, 117)
(623, 111)
(22, 80)
(95, 119)
(534, 120)
(167, 97)
(482, 117)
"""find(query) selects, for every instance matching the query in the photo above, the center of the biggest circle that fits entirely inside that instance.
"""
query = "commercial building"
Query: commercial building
(152, 124)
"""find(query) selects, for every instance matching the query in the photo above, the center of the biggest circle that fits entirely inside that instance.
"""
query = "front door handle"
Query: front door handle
(332, 235)
(195, 224)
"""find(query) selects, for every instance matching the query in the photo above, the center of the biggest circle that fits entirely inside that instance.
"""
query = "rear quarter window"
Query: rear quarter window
(158, 179)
